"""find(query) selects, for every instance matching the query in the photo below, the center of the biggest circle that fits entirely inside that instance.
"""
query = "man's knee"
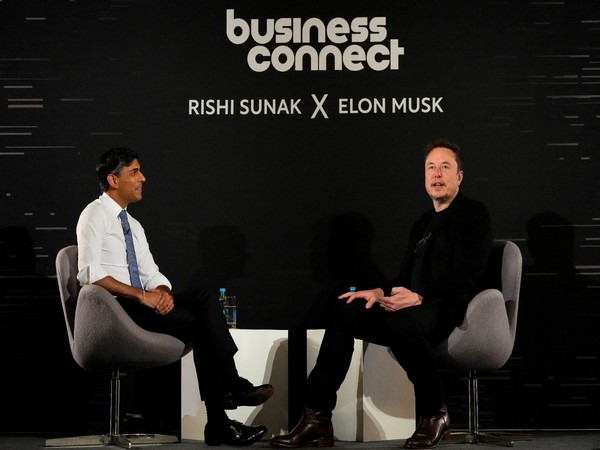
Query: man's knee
(347, 314)
(405, 326)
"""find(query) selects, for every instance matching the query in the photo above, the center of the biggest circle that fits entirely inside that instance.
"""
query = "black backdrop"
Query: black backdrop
(274, 206)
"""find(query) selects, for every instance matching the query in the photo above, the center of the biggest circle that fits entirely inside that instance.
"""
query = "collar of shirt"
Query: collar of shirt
(111, 205)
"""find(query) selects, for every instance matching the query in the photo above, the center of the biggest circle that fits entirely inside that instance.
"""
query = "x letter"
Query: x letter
(319, 107)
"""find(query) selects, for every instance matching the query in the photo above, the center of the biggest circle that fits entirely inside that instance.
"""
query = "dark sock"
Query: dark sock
(215, 412)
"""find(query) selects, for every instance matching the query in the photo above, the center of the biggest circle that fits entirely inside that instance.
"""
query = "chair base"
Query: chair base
(120, 440)
(502, 439)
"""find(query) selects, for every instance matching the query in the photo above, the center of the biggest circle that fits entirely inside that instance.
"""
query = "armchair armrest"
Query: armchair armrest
(105, 336)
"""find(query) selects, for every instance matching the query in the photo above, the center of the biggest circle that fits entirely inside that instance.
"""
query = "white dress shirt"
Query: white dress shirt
(102, 248)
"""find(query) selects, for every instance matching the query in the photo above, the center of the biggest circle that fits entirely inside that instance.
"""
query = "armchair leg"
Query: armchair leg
(502, 439)
(73, 442)
(506, 439)
(474, 436)
(134, 440)
(461, 438)
(491, 439)
(127, 440)
(113, 437)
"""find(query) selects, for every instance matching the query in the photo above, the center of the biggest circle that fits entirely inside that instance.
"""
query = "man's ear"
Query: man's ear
(113, 180)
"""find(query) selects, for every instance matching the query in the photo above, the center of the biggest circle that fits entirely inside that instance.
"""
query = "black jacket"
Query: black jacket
(455, 255)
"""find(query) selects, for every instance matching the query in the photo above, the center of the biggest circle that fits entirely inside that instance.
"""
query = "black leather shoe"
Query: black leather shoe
(314, 429)
(232, 432)
(430, 431)
(246, 394)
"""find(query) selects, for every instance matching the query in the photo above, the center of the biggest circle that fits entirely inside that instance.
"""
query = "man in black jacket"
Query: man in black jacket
(447, 251)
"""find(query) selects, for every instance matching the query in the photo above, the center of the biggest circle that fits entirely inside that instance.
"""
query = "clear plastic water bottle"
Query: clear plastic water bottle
(228, 305)
(231, 314)
(222, 299)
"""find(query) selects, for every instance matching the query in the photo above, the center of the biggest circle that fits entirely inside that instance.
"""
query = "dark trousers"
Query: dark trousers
(196, 318)
(410, 333)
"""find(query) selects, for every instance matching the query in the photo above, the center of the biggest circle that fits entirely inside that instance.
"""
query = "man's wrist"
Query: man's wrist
(164, 288)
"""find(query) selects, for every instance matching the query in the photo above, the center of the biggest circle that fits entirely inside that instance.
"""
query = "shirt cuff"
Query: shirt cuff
(157, 280)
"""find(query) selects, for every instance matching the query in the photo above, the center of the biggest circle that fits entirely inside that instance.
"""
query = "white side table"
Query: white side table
(388, 397)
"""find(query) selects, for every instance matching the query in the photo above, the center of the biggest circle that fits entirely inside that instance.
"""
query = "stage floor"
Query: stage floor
(550, 440)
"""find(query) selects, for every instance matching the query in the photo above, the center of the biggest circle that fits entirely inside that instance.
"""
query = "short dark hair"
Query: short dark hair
(445, 143)
(113, 161)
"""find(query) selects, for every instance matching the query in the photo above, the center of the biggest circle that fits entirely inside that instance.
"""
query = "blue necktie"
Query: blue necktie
(134, 273)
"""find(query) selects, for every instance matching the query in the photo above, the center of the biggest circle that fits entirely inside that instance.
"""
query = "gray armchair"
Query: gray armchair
(103, 337)
(486, 337)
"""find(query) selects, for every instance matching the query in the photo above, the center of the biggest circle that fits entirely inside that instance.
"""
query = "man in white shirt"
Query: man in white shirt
(145, 294)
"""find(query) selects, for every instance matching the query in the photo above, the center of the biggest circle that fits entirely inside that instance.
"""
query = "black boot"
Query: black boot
(430, 431)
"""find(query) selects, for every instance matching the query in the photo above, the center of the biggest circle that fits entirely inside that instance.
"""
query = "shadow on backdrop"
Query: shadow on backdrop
(222, 255)
(221, 261)
(341, 258)
(557, 333)
(34, 346)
